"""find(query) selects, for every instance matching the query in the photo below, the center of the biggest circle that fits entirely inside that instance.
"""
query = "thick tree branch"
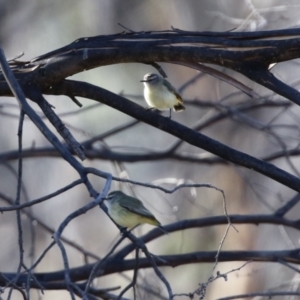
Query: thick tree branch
(116, 263)
(242, 52)
(262, 76)
(37, 97)
(114, 266)
(197, 139)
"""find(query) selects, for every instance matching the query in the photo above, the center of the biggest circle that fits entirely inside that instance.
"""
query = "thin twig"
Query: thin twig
(288, 206)
(97, 267)
(17, 201)
(135, 273)
(149, 185)
(57, 123)
(73, 215)
(42, 199)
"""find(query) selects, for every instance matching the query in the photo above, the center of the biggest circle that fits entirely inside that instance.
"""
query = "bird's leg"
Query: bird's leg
(124, 230)
(134, 227)
(150, 108)
(170, 113)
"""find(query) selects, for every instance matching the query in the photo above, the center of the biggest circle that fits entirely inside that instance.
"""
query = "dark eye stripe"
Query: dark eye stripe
(151, 77)
(112, 194)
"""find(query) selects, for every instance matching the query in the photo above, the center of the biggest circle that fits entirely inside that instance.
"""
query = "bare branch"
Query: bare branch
(193, 138)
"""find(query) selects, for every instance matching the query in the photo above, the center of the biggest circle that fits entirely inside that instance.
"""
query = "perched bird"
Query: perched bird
(128, 211)
(160, 94)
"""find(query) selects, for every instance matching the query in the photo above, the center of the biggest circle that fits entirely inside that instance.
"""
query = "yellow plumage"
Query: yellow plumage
(128, 211)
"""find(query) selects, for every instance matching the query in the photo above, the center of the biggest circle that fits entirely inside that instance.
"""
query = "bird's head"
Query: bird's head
(151, 78)
(113, 195)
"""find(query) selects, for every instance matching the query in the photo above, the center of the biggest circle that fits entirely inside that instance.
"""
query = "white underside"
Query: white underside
(160, 98)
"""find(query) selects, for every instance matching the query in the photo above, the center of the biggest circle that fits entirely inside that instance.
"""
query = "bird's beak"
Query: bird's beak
(143, 81)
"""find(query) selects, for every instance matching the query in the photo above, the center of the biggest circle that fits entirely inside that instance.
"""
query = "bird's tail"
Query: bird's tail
(179, 107)
(157, 223)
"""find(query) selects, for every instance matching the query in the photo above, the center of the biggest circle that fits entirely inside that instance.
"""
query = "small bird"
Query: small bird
(128, 211)
(160, 94)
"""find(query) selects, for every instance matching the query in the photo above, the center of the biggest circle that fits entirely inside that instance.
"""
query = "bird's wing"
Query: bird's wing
(140, 210)
(173, 90)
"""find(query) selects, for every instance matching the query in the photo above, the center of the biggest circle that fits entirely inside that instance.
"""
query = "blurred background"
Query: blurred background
(36, 27)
